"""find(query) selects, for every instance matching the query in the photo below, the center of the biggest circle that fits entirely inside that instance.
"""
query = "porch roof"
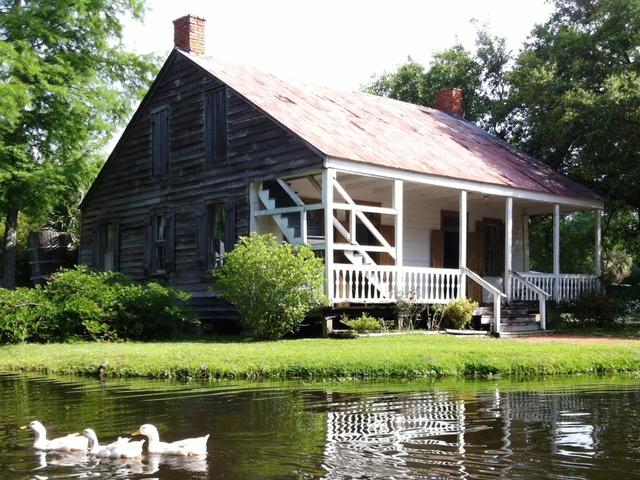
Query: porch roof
(375, 130)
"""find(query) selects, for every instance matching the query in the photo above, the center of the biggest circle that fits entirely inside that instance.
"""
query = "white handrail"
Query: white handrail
(496, 292)
(282, 210)
(542, 296)
(482, 282)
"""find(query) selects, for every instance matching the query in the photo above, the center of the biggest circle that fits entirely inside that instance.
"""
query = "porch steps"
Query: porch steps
(514, 319)
(273, 196)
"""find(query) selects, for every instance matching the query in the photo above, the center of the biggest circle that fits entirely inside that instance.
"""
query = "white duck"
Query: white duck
(187, 447)
(121, 448)
(69, 443)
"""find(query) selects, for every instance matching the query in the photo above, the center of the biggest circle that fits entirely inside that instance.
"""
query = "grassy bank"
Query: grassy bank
(405, 356)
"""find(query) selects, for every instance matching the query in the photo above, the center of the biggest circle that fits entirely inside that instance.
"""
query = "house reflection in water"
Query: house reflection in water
(448, 434)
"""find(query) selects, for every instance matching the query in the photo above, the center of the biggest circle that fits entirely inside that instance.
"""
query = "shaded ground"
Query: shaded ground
(579, 339)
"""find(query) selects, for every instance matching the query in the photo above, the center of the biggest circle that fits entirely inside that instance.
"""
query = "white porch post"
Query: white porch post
(462, 243)
(508, 246)
(328, 177)
(398, 198)
(556, 252)
(525, 244)
(598, 259)
(253, 205)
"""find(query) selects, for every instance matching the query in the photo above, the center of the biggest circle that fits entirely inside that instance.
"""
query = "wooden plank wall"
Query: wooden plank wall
(127, 192)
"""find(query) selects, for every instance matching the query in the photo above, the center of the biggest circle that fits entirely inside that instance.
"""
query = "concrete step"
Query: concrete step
(525, 319)
(505, 311)
(533, 333)
(523, 327)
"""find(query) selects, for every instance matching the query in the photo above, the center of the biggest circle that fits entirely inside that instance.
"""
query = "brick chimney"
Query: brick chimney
(449, 100)
(188, 34)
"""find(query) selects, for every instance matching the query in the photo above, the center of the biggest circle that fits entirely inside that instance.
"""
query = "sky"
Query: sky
(336, 43)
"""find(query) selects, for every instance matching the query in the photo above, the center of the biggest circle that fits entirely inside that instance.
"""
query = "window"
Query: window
(217, 234)
(160, 235)
(159, 232)
(108, 247)
(215, 125)
(160, 142)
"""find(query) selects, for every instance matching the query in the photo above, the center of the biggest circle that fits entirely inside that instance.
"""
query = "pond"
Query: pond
(552, 428)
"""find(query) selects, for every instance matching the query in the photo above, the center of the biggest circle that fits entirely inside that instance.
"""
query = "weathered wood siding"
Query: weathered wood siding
(127, 191)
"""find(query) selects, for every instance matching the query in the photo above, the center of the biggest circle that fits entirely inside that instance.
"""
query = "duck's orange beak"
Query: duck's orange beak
(137, 432)
(24, 427)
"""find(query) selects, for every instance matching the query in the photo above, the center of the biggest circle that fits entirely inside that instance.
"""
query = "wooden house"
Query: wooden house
(399, 199)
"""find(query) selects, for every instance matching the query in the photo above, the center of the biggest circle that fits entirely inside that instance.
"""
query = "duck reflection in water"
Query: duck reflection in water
(121, 467)
(64, 459)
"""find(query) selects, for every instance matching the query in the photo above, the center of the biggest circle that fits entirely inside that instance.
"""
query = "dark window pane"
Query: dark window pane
(161, 228)
(160, 243)
(217, 234)
(107, 247)
(161, 257)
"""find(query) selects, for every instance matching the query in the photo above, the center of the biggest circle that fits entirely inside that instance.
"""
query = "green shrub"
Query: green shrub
(81, 304)
(273, 285)
(364, 323)
(20, 312)
(600, 309)
(458, 313)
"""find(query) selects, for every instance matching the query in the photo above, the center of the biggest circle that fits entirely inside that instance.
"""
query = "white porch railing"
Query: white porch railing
(570, 286)
(380, 284)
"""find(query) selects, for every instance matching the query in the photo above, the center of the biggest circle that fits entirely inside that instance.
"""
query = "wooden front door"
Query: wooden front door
(445, 243)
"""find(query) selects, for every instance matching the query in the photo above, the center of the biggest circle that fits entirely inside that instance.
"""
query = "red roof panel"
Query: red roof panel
(381, 131)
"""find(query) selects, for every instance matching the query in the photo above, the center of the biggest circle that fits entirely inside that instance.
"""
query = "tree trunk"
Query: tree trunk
(8, 279)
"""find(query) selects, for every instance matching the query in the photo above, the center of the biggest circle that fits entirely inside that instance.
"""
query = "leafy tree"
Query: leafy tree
(575, 92)
(66, 82)
(570, 97)
(407, 83)
(577, 245)
(480, 75)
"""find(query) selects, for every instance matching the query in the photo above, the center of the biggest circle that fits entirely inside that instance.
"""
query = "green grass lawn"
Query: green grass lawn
(400, 356)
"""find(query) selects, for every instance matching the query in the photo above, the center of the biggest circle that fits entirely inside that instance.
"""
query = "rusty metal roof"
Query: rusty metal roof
(381, 131)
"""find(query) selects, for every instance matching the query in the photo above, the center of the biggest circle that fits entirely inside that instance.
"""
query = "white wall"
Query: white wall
(420, 217)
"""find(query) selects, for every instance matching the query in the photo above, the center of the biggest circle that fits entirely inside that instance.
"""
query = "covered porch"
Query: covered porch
(386, 234)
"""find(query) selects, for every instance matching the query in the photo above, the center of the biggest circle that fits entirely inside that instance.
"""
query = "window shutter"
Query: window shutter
(215, 125)
(116, 246)
(148, 244)
(171, 234)
(201, 233)
(221, 125)
(96, 249)
(230, 225)
(160, 142)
